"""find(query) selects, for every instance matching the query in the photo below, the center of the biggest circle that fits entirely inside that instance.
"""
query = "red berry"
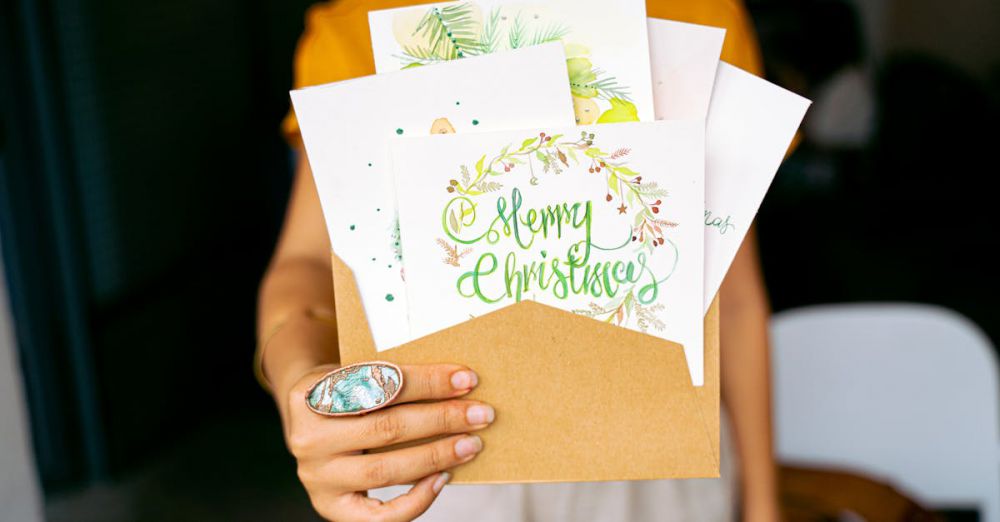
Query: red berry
(656, 210)
(591, 170)
(657, 202)
(609, 197)
(598, 169)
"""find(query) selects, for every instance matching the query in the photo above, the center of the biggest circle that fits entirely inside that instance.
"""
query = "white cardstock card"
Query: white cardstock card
(751, 124)
(684, 58)
(607, 49)
(347, 128)
(604, 221)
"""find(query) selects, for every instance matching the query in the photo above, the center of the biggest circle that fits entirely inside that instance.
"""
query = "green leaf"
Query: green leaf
(541, 157)
(572, 154)
(453, 221)
(479, 165)
(613, 184)
(625, 171)
(528, 142)
(593, 152)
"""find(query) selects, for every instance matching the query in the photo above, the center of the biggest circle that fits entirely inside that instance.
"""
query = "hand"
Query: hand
(329, 450)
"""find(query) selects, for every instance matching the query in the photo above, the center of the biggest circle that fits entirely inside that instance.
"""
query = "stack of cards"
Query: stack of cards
(469, 174)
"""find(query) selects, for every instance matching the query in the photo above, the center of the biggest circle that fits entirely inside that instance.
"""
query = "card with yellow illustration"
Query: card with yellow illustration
(606, 44)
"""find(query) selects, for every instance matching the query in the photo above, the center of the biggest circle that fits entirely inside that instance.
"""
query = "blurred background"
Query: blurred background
(143, 181)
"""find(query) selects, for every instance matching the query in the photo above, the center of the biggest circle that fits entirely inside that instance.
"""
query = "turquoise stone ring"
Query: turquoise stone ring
(356, 389)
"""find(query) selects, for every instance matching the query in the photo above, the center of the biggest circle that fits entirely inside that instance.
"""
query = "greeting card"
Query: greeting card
(604, 221)
(751, 124)
(607, 49)
(347, 127)
(684, 58)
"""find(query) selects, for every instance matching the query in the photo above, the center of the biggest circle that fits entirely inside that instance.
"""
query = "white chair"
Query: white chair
(904, 393)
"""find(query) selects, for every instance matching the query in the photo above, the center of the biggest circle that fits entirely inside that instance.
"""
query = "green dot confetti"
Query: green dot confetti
(390, 297)
(353, 227)
(399, 131)
(475, 122)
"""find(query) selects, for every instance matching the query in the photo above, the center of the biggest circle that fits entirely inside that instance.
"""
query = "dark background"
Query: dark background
(143, 180)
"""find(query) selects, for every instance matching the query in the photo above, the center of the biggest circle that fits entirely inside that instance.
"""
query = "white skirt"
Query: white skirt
(701, 500)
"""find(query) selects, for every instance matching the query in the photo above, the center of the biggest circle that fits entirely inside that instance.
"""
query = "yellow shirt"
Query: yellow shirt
(336, 44)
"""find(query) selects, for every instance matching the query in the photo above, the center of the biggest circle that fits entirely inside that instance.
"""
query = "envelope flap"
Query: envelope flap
(576, 399)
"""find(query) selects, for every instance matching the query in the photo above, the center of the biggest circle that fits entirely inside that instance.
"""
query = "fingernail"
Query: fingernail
(468, 446)
(439, 482)
(479, 414)
(463, 380)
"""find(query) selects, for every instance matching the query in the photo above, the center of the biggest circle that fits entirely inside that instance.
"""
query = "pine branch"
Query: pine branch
(420, 55)
(491, 35)
(652, 189)
(609, 87)
(620, 153)
(552, 33)
(515, 35)
(449, 31)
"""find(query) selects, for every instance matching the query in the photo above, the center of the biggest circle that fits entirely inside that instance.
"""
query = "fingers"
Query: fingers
(402, 423)
(413, 503)
(405, 507)
(406, 422)
(423, 382)
(364, 472)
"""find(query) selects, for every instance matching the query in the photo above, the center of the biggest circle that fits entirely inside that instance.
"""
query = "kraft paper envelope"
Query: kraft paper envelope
(576, 399)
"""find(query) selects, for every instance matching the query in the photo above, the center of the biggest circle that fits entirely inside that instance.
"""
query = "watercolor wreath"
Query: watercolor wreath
(552, 155)
(455, 31)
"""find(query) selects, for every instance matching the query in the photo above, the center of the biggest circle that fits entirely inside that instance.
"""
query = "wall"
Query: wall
(19, 493)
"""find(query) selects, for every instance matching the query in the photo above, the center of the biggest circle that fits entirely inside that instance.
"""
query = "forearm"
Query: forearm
(296, 322)
(746, 382)
(747, 396)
